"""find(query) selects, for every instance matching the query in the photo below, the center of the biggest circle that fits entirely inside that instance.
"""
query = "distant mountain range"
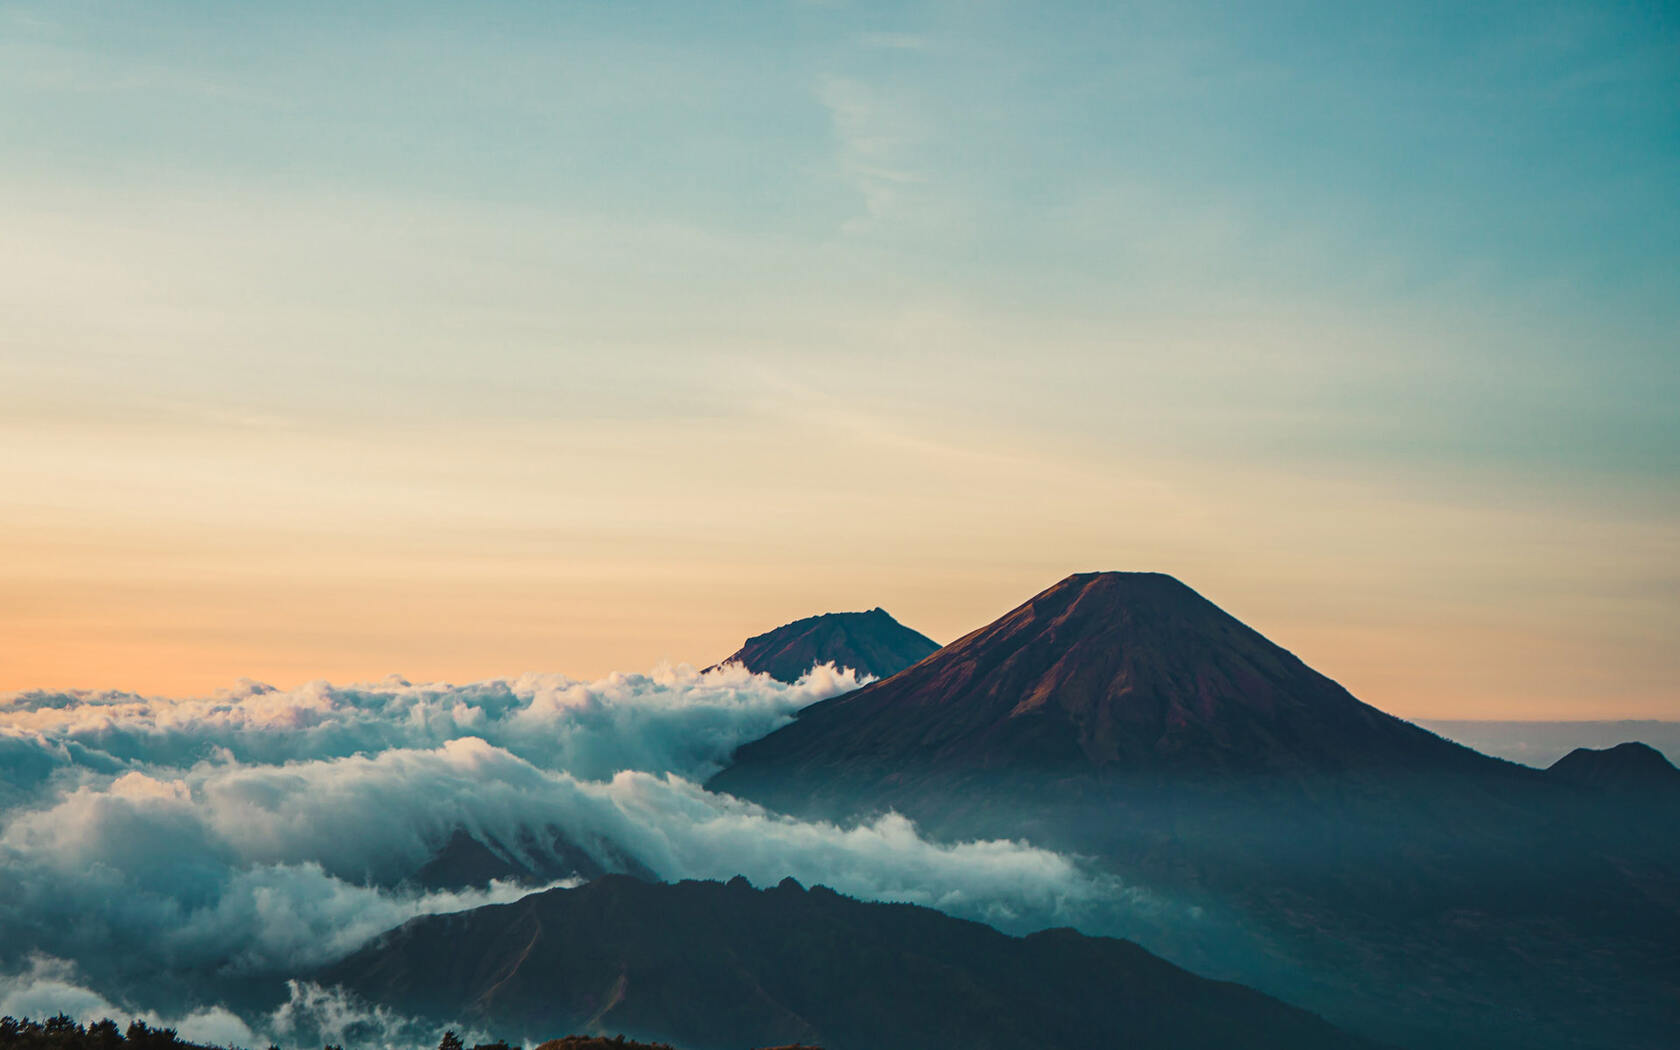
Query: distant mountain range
(1128, 675)
(1540, 744)
(1631, 769)
(1400, 883)
(871, 643)
(1293, 838)
(710, 966)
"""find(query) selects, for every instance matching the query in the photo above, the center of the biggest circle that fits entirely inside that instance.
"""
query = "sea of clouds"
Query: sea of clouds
(190, 861)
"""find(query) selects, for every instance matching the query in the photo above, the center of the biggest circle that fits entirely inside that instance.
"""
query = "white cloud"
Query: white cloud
(313, 1015)
(171, 848)
(310, 1016)
(672, 719)
(873, 135)
(49, 986)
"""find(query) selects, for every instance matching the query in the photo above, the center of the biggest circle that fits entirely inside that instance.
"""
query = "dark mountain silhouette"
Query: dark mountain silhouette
(710, 966)
(465, 861)
(1631, 768)
(1332, 854)
(1118, 673)
(868, 642)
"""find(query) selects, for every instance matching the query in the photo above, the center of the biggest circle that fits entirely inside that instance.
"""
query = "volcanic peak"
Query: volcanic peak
(1123, 671)
(870, 643)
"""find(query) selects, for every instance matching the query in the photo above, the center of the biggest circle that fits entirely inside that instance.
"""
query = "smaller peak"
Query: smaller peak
(1638, 751)
(790, 885)
(870, 642)
(739, 882)
(1627, 752)
(877, 614)
(1625, 766)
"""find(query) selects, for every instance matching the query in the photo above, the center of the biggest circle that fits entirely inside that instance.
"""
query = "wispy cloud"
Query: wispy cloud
(873, 136)
(896, 41)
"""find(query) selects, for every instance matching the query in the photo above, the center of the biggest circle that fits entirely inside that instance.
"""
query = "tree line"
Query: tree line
(63, 1032)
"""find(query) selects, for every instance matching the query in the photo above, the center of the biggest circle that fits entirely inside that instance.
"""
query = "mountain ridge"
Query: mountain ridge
(1627, 767)
(710, 965)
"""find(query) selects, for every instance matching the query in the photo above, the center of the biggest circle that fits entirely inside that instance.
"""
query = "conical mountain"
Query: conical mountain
(1112, 674)
(871, 643)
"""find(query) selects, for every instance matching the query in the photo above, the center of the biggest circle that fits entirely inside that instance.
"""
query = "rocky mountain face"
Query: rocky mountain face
(713, 966)
(871, 643)
(1336, 855)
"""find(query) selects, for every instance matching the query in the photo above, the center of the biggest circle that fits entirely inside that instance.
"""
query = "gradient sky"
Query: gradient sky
(465, 339)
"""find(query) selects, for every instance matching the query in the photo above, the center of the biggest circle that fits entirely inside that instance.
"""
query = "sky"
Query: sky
(458, 341)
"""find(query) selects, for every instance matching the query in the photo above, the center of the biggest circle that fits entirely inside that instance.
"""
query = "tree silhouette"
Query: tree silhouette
(104, 1035)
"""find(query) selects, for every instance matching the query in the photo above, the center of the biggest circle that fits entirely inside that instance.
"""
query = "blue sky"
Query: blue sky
(1362, 320)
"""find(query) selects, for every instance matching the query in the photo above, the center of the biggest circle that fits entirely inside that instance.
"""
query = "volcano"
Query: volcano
(1109, 675)
(870, 643)
(1317, 848)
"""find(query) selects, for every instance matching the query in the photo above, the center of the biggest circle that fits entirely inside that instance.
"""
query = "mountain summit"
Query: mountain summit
(870, 643)
(1631, 767)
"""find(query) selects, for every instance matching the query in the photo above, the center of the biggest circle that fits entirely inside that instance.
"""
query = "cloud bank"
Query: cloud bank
(184, 859)
(670, 720)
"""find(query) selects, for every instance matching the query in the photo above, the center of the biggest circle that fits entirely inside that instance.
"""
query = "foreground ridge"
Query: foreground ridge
(715, 966)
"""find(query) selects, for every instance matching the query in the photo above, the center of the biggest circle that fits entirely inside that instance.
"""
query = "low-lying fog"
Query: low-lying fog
(171, 859)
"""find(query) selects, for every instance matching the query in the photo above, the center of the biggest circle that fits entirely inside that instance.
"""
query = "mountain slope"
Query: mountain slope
(707, 965)
(1104, 674)
(870, 642)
